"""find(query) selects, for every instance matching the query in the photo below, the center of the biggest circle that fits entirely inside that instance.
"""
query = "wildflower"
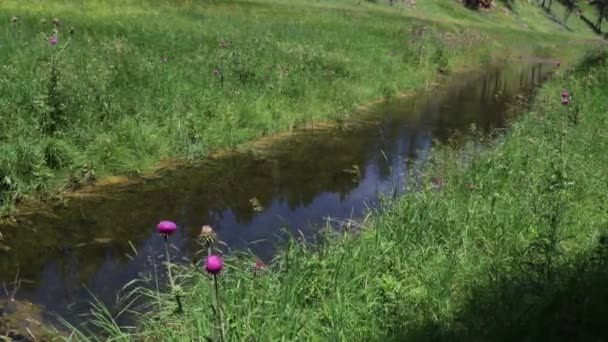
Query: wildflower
(436, 181)
(166, 228)
(56, 22)
(258, 267)
(214, 264)
(53, 40)
(565, 97)
(207, 233)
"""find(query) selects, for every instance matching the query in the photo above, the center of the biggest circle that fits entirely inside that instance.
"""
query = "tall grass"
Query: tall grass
(510, 244)
(138, 81)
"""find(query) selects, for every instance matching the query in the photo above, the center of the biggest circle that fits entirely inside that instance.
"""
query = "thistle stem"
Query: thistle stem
(220, 322)
(170, 275)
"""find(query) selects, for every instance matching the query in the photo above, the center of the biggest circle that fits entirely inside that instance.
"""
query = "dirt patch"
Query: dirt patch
(23, 321)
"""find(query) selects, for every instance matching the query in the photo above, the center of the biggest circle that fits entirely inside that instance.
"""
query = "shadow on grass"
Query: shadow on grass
(590, 24)
(591, 59)
(551, 16)
(568, 303)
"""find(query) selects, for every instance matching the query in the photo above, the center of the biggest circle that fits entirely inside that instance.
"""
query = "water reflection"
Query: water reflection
(334, 173)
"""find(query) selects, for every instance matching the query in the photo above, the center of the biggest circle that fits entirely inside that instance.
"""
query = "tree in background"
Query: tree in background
(602, 11)
(571, 6)
(546, 4)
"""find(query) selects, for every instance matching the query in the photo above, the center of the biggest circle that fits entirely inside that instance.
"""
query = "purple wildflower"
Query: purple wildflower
(565, 97)
(214, 264)
(53, 40)
(166, 228)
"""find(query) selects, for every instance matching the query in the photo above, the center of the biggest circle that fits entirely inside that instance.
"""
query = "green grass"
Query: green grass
(513, 246)
(132, 82)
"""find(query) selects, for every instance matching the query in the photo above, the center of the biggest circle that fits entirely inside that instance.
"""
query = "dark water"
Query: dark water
(299, 183)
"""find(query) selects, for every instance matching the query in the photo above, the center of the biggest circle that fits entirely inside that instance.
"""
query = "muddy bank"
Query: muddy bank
(24, 321)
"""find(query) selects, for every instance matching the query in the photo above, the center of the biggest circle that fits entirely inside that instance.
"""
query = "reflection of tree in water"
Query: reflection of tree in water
(304, 171)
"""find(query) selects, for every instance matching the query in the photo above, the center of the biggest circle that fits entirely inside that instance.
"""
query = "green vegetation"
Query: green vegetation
(511, 244)
(505, 244)
(130, 83)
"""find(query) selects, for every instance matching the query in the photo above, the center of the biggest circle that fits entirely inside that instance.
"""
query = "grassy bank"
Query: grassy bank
(506, 244)
(130, 83)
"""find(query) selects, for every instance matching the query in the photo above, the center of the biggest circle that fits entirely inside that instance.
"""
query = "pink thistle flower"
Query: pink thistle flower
(53, 40)
(166, 228)
(214, 264)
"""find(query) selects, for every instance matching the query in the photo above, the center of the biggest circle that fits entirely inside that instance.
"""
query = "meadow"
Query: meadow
(98, 88)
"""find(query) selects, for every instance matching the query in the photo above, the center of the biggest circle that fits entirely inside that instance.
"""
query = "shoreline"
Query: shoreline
(105, 186)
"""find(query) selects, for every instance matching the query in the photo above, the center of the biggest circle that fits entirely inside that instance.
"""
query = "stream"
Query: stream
(251, 198)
